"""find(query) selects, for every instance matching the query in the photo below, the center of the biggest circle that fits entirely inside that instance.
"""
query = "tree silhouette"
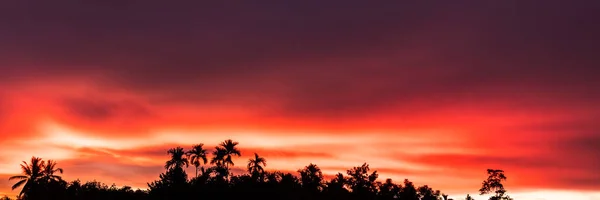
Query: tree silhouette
(469, 197)
(389, 190)
(171, 184)
(221, 173)
(197, 156)
(338, 182)
(361, 182)
(178, 159)
(32, 173)
(220, 169)
(205, 173)
(229, 150)
(50, 170)
(409, 192)
(254, 166)
(336, 188)
(494, 184)
(41, 181)
(218, 156)
(427, 193)
(311, 179)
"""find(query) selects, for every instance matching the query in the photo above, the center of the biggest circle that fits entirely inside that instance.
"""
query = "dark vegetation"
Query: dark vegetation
(213, 180)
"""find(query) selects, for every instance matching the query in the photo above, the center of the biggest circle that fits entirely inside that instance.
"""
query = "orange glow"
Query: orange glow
(444, 148)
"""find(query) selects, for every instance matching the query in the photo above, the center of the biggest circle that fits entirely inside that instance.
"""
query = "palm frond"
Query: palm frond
(17, 177)
(19, 184)
(26, 169)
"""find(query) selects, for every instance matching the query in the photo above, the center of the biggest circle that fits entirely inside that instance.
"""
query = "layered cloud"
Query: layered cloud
(433, 91)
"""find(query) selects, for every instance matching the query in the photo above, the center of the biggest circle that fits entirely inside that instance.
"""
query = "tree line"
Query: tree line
(212, 179)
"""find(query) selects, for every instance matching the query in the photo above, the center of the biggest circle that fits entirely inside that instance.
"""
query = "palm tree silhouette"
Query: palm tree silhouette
(311, 178)
(229, 149)
(206, 172)
(178, 159)
(218, 160)
(49, 171)
(254, 165)
(218, 156)
(32, 173)
(196, 154)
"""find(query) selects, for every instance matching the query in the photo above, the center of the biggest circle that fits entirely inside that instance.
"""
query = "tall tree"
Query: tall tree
(254, 166)
(229, 148)
(427, 193)
(197, 156)
(494, 184)
(220, 169)
(389, 190)
(338, 182)
(178, 159)
(50, 170)
(361, 181)
(409, 192)
(31, 174)
(218, 158)
(336, 188)
(311, 178)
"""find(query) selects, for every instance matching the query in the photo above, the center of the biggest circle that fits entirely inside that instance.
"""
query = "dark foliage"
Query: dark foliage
(40, 181)
(493, 184)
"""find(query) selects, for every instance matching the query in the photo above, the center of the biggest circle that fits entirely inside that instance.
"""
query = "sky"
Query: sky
(434, 91)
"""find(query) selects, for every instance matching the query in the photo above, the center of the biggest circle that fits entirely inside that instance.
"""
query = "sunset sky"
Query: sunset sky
(434, 91)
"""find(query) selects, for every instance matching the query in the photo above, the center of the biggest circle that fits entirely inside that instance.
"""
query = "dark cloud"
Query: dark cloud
(589, 182)
(579, 125)
(312, 58)
(106, 113)
(582, 142)
(90, 109)
(98, 110)
(580, 150)
(152, 152)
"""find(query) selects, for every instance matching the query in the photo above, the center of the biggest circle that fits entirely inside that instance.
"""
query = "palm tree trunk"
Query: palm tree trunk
(227, 169)
(196, 171)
